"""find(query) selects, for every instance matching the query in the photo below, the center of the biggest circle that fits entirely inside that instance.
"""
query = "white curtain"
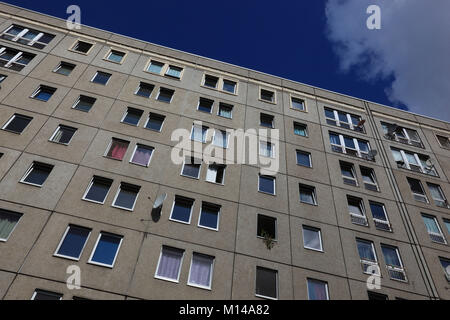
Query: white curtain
(7, 223)
(170, 263)
(211, 175)
(201, 270)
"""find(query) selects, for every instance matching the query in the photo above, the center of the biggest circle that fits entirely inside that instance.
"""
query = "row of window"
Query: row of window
(435, 190)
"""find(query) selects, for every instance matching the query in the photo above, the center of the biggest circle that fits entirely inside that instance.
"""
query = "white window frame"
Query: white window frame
(12, 231)
(56, 254)
(157, 62)
(274, 100)
(355, 142)
(227, 138)
(72, 48)
(199, 169)
(179, 269)
(180, 221)
(320, 238)
(385, 213)
(348, 116)
(274, 185)
(303, 125)
(11, 119)
(79, 100)
(39, 90)
(401, 268)
(169, 66)
(443, 199)
(436, 222)
(117, 194)
(109, 147)
(29, 170)
(57, 130)
(139, 87)
(405, 133)
(352, 170)
(326, 287)
(303, 103)
(305, 153)
(159, 92)
(366, 261)
(205, 136)
(15, 58)
(423, 195)
(189, 283)
(60, 65)
(95, 75)
(313, 189)
(145, 147)
(373, 176)
(89, 188)
(148, 119)
(223, 176)
(225, 105)
(110, 52)
(268, 144)
(209, 100)
(126, 113)
(277, 284)
(417, 158)
(218, 218)
(24, 31)
(95, 248)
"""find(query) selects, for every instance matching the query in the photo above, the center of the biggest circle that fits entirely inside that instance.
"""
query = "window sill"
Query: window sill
(167, 279)
(122, 208)
(216, 183)
(115, 62)
(79, 52)
(65, 257)
(311, 204)
(31, 184)
(315, 250)
(111, 158)
(60, 143)
(93, 201)
(163, 75)
(219, 90)
(180, 221)
(266, 101)
(12, 131)
(199, 286)
(267, 193)
(208, 228)
(298, 110)
(265, 297)
(195, 178)
(101, 264)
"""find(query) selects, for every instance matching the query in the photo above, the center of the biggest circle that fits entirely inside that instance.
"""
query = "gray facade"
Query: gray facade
(28, 259)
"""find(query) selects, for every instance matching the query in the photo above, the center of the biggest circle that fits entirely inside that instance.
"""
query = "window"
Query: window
(174, 72)
(267, 95)
(17, 123)
(344, 120)
(446, 266)
(367, 256)
(205, 105)
(413, 161)
(84, 103)
(307, 194)
(169, 264)
(266, 120)
(417, 190)
(298, 104)
(191, 167)
(144, 89)
(14, 59)
(266, 283)
(63, 134)
(43, 93)
(447, 224)
(73, 242)
(182, 208)
(304, 158)
(8, 222)
(433, 229)
(30, 37)
(64, 68)
(229, 86)
(266, 184)
(376, 296)
(155, 67)
(317, 290)
(199, 133)
(400, 134)
(356, 210)
(300, 129)
(155, 121)
(351, 146)
(165, 95)
(443, 141)
(379, 215)
(132, 116)
(126, 196)
(106, 249)
(220, 138)
(369, 179)
(225, 110)
(98, 189)
(117, 149)
(266, 149)
(142, 155)
(210, 81)
(37, 174)
(393, 262)
(209, 216)
(266, 227)
(115, 56)
(348, 173)
(437, 195)
(312, 238)
(46, 295)
(82, 47)
(101, 78)
(216, 173)
(201, 270)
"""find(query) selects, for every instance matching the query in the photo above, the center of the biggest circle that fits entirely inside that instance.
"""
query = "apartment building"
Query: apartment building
(87, 180)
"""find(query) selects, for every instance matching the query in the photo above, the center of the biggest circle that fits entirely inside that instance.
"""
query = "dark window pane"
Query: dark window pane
(229, 86)
(266, 282)
(127, 196)
(266, 225)
(46, 295)
(99, 189)
(377, 211)
(303, 159)
(73, 242)
(132, 116)
(182, 209)
(38, 174)
(84, 103)
(211, 81)
(209, 216)
(267, 184)
(101, 77)
(106, 249)
(155, 122)
(18, 123)
(145, 89)
(165, 95)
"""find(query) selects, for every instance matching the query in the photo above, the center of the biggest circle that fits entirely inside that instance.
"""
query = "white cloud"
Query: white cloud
(413, 46)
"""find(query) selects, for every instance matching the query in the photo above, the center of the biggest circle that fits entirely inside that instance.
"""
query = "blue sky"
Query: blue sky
(288, 39)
